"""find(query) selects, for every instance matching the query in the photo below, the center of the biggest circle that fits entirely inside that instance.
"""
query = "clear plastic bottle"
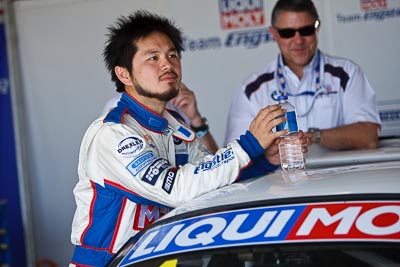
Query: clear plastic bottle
(292, 158)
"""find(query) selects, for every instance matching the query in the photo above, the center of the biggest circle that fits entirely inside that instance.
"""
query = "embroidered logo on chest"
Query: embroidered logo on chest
(131, 146)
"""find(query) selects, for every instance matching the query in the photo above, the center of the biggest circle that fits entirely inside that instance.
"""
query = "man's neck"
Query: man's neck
(153, 104)
(298, 70)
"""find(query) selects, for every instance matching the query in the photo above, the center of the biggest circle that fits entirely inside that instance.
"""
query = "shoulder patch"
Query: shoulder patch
(130, 146)
(184, 131)
(169, 180)
(155, 170)
(141, 162)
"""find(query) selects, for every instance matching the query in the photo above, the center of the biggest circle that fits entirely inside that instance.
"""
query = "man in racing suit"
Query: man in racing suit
(140, 160)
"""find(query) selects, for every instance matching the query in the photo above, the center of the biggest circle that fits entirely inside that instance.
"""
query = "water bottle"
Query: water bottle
(290, 153)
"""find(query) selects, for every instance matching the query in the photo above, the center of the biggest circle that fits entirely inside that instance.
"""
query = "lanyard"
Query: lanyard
(283, 83)
(282, 79)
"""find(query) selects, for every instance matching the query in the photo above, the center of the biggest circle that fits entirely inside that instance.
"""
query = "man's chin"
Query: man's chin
(174, 85)
(172, 92)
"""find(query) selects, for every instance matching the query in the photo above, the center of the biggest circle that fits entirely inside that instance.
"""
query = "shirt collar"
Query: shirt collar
(309, 67)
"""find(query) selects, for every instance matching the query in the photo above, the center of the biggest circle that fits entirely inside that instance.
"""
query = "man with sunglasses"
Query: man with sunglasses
(335, 103)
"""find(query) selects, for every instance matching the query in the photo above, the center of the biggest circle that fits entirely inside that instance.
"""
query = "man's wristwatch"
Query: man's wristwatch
(316, 134)
(202, 127)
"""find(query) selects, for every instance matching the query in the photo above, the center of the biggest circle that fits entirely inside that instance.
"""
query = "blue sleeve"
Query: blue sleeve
(259, 164)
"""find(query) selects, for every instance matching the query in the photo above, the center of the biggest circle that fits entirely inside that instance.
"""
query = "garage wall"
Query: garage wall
(65, 84)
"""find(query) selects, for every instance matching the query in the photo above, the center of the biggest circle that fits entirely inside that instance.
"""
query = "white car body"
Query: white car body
(353, 204)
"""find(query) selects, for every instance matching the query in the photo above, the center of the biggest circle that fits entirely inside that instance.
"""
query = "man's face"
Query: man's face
(298, 50)
(156, 68)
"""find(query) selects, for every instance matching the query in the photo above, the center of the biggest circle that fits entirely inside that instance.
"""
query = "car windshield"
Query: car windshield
(299, 255)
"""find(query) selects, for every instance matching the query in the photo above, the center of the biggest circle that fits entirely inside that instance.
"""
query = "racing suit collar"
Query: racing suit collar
(181, 131)
(142, 114)
(154, 121)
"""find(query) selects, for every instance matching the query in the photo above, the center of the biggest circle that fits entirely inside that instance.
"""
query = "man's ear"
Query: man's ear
(123, 75)
(273, 32)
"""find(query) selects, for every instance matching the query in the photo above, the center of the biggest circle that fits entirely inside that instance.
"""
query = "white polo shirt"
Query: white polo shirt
(345, 95)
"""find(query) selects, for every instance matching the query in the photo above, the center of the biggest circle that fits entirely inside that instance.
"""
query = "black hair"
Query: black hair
(121, 46)
(294, 6)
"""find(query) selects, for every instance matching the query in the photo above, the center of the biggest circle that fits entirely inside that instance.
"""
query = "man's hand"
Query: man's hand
(186, 101)
(309, 137)
(304, 141)
(272, 152)
(263, 124)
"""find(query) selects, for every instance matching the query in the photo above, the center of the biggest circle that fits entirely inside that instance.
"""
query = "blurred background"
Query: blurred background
(53, 84)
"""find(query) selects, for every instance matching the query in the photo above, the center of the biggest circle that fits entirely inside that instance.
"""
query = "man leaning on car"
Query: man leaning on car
(139, 161)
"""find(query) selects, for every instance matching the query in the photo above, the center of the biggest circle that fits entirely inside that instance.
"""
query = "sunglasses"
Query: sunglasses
(308, 30)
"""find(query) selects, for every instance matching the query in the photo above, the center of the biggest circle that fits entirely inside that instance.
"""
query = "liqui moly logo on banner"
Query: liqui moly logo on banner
(372, 10)
(236, 14)
(363, 221)
(367, 5)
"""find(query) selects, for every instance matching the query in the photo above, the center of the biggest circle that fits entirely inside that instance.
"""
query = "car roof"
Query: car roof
(342, 181)
(373, 188)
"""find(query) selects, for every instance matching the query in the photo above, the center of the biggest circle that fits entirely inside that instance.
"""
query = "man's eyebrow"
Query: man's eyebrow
(173, 49)
(156, 51)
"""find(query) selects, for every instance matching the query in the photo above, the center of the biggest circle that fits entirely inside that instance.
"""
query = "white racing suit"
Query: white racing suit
(135, 166)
